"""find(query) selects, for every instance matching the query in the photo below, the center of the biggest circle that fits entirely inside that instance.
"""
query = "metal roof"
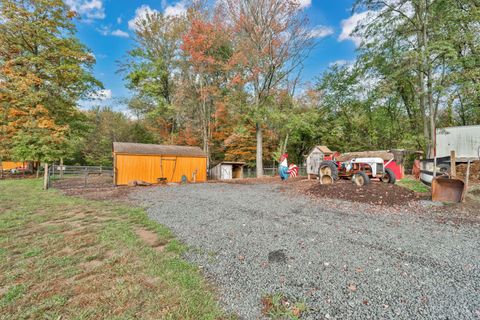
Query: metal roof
(157, 149)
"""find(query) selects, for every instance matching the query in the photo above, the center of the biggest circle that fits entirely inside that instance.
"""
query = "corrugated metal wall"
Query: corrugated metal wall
(151, 167)
(464, 140)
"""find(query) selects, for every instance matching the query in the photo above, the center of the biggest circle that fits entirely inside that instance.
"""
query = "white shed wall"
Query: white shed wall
(222, 172)
(313, 161)
(464, 140)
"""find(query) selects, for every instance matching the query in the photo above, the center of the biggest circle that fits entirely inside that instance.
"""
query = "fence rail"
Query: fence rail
(65, 176)
(80, 176)
(252, 172)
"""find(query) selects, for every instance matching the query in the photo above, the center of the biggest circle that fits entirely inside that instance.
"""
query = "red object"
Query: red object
(283, 157)
(293, 170)
(397, 169)
(416, 169)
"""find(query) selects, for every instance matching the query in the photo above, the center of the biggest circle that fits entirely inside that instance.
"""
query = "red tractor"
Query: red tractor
(359, 170)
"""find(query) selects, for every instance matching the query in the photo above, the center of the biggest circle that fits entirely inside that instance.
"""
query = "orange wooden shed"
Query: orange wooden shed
(8, 165)
(153, 163)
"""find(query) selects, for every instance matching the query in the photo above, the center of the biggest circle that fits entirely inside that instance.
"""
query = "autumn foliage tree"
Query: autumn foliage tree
(44, 71)
(209, 50)
(271, 43)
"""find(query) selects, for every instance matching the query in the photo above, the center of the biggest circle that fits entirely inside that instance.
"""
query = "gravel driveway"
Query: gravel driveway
(252, 240)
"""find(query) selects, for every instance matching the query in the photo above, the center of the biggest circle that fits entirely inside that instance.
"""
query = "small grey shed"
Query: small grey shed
(315, 157)
(227, 170)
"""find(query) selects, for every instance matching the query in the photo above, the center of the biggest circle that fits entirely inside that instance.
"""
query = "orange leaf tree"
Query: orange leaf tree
(44, 71)
(271, 42)
(209, 49)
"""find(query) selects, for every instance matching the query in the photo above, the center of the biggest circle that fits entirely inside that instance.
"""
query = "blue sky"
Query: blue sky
(104, 28)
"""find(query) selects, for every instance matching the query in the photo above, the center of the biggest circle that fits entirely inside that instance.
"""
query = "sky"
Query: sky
(106, 28)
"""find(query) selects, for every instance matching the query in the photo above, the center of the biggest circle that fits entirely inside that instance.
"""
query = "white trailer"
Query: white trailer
(465, 141)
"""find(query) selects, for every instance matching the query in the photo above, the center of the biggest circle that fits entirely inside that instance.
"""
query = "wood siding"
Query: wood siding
(151, 167)
(8, 165)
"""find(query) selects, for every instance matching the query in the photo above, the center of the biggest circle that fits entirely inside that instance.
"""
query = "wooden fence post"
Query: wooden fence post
(467, 177)
(45, 177)
(61, 168)
(453, 164)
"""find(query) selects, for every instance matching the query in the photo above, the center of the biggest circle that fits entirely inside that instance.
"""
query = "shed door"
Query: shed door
(314, 163)
(226, 172)
(168, 168)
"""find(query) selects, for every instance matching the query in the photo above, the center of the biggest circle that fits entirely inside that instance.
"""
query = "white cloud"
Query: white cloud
(106, 31)
(349, 64)
(178, 9)
(119, 33)
(321, 32)
(338, 63)
(304, 3)
(349, 25)
(140, 14)
(102, 95)
(119, 20)
(89, 9)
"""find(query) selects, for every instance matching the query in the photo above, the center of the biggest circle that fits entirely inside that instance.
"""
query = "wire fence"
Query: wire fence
(249, 172)
(64, 176)
(68, 177)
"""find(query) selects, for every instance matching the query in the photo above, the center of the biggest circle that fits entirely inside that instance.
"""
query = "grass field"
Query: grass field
(69, 258)
(414, 185)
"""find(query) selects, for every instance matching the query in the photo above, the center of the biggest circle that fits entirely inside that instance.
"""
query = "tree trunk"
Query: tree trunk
(259, 134)
(205, 143)
(205, 123)
(432, 114)
(421, 41)
(45, 177)
(61, 168)
(428, 68)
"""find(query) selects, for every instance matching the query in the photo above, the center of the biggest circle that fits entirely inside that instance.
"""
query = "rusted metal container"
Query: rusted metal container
(447, 190)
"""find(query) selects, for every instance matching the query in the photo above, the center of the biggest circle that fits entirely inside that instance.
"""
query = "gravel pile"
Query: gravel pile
(252, 240)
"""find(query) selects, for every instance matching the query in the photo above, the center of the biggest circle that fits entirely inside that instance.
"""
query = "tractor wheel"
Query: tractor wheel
(328, 168)
(389, 176)
(361, 179)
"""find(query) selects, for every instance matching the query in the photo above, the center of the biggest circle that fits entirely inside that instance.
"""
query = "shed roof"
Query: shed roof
(231, 162)
(323, 149)
(385, 155)
(157, 149)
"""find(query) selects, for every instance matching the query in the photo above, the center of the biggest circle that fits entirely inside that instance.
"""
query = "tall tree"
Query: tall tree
(152, 70)
(414, 45)
(271, 42)
(106, 126)
(44, 71)
(209, 50)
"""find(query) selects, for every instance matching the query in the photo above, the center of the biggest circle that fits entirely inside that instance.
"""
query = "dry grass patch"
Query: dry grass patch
(63, 257)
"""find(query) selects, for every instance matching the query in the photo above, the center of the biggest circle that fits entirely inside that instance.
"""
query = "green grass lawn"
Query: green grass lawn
(70, 258)
(414, 185)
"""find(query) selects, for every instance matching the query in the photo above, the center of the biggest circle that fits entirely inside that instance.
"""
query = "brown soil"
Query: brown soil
(376, 193)
(150, 238)
(91, 264)
(474, 171)
(262, 180)
(100, 189)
